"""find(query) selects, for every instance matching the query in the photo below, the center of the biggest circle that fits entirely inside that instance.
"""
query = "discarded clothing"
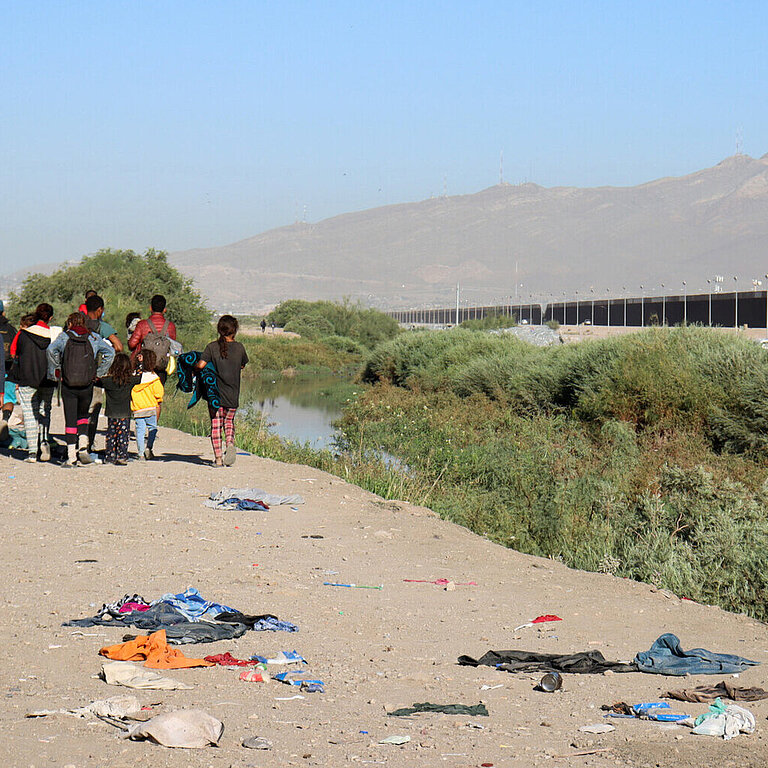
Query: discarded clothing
(229, 498)
(154, 651)
(157, 616)
(126, 604)
(652, 710)
(284, 657)
(666, 657)
(586, 662)
(190, 728)
(188, 632)
(129, 675)
(202, 384)
(723, 690)
(115, 706)
(193, 606)
(726, 721)
(263, 623)
(446, 709)
(228, 660)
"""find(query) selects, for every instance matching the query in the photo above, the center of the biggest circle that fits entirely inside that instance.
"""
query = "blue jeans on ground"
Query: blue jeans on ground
(146, 430)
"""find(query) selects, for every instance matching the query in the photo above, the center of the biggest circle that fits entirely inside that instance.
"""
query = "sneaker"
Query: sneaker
(84, 456)
(121, 462)
(31, 459)
(230, 454)
(70, 463)
(45, 451)
(148, 454)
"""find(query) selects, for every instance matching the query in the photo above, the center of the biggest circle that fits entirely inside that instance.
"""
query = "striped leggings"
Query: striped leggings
(36, 409)
(222, 419)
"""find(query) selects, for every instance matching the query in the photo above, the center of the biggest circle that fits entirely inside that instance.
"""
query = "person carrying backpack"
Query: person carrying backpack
(155, 334)
(7, 333)
(76, 358)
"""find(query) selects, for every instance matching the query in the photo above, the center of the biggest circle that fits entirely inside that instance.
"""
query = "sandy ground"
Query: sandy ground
(147, 531)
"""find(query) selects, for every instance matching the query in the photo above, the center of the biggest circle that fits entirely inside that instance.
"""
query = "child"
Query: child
(146, 397)
(117, 385)
(229, 358)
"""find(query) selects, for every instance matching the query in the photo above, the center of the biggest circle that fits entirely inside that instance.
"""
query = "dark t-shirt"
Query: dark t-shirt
(228, 369)
(118, 397)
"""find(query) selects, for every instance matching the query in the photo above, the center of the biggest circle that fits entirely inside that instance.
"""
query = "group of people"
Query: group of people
(86, 363)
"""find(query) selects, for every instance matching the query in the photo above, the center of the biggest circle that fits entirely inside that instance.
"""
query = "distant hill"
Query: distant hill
(714, 221)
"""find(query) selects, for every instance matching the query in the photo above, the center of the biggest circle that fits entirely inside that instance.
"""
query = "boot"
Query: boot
(71, 456)
(82, 449)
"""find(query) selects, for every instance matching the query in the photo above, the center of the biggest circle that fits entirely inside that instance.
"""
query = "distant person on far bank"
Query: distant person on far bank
(229, 358)
(263, 325)
(155, 334)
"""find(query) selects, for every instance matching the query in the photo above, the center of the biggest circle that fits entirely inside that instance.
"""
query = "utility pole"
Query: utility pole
(457, 303)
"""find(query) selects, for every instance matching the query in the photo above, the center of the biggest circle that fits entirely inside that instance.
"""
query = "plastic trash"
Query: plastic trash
(395, 740)
(551, 682)
(188, 728)
(598, 728)
(284, 657)
(292, 678)
(257, 742)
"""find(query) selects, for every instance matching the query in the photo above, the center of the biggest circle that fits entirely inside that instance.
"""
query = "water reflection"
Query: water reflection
(300, 409)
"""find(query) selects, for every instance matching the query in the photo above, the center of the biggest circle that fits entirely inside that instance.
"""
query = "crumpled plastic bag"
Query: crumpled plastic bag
(131, 676)
(728, 723)
(188, 728)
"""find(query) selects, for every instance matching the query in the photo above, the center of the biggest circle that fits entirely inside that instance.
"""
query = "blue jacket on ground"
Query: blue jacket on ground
(666, 657)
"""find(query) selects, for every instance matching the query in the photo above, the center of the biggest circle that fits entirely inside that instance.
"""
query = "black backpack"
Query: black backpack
(160, 343)
(78, 363)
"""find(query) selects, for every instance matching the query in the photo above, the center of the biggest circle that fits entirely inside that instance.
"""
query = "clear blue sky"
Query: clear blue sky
(182, 124)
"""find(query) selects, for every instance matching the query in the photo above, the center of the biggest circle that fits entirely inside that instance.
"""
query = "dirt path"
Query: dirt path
(75, 538)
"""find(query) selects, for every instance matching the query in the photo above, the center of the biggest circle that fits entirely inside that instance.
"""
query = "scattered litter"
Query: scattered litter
(651, 710)
(667, 657)
(129, 675)
(252, 676)
(446, 709)
(228, 660)
(257, 742)
(550, 683)
(722, 690)
(491, 687)
(115, 706)
(293, 678)
(188, 728)
(353, 586)
(289, 698)
(230, 498)
(312, 536)
(538, 620)
(202, 538)
(284, 657)
(583, 752)
(86, 561)
(726, 721)
(395, 740)
(154, 651)
(443, 582)
(598, 728)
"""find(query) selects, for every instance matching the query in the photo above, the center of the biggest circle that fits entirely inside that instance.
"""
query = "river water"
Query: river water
(301, 410)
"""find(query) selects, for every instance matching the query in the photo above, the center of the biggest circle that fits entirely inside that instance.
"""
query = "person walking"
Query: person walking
(117, 385)
(229, 358)
(146, 399)
(263, 325)
(77, 357)
(155, 333)
(35, 387)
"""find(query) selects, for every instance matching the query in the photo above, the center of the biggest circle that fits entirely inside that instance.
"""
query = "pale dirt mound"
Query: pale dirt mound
(147, 530)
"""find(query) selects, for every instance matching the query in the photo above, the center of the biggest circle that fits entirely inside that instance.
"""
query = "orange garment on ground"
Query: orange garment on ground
(154, 651)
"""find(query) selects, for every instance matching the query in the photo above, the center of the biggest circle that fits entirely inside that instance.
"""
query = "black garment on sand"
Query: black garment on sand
(446, 709)
(228, 370)
(235, 617)
(586, 662)
(118, 397)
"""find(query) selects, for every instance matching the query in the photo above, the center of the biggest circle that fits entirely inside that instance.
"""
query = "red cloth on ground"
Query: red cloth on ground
(228, 660)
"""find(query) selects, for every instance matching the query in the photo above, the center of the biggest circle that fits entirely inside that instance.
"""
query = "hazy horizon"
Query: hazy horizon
(189, 125)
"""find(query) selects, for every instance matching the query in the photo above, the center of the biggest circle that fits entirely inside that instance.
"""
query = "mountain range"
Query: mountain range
(545, 241)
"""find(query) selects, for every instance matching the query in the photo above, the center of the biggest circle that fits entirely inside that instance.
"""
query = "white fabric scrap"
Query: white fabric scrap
(128, 674)
(732, 722)
(187, 728)
(255, 494)
(115, 706)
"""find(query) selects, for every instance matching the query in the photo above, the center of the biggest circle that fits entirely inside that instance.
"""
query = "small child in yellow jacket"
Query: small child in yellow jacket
(146, 397)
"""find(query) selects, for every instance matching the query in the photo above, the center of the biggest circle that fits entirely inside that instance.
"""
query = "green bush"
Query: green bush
(126, 280)
(317, 319)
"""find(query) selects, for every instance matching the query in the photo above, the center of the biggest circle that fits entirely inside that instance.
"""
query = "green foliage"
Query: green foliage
(276, 353)
(320, 319)
(490, 322)
(126, 280)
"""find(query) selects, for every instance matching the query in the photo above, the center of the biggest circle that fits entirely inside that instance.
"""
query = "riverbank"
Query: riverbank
(73, 539)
